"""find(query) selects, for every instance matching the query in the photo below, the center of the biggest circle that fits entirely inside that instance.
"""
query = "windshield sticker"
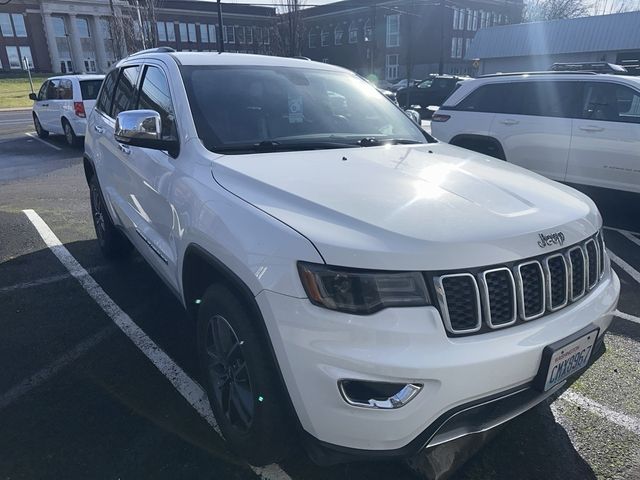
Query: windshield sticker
(295, 109)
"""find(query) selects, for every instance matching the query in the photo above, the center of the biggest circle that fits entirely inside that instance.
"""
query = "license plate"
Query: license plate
(564, 358)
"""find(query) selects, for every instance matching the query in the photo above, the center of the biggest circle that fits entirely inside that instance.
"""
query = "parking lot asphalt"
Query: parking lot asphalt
(85, 394)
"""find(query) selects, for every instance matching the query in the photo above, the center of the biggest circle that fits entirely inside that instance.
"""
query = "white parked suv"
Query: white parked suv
(576, 127)
(62, 105)
(351, 278)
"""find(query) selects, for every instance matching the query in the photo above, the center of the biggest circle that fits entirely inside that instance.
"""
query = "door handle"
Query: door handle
(591, 128)
(509, 122)
(44, 104)
(124, 149)
(98, 128)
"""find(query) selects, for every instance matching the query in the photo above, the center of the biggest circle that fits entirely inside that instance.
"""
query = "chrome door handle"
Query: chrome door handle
(44, 104)
(591, 128)
(124, 149)
(509, 122)
(98, 129)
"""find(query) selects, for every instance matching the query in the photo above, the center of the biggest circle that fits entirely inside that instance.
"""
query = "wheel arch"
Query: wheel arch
(89, 167)
(485, 144)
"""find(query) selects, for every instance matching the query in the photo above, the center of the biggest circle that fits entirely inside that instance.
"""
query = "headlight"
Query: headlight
(362, 291)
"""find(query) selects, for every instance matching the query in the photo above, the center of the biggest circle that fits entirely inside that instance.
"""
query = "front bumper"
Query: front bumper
(316, 348)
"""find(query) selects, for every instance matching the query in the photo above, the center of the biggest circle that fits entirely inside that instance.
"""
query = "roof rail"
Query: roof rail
(153, 50)
(514, 74)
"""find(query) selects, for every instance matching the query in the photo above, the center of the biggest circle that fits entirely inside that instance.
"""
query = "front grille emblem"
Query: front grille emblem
(547, 240)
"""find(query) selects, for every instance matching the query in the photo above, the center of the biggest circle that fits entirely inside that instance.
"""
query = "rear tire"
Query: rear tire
(69, 134)
(240, 378)
(42, 133)
(112, 242)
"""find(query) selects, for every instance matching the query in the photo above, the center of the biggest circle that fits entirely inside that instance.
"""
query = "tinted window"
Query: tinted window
(106, 94)
(90, 89)
(52, 89)
(549, 99)
(42, 94)
(155, 95)
(610, 102)
(125, 90)
(493, 98)
(236, 106)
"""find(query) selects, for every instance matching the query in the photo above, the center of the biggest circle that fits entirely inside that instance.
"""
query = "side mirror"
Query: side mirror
(413, 115)
(142, 128)
(33, 96)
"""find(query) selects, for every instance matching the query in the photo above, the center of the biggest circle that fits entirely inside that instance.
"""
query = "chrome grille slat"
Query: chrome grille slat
(501, 296)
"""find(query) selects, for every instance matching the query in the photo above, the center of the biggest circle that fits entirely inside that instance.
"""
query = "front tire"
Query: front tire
(240, 378)
(112, 242)
(42, 133)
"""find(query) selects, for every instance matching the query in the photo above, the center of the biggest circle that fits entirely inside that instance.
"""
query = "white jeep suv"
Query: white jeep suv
(575, 127)
(351, 278)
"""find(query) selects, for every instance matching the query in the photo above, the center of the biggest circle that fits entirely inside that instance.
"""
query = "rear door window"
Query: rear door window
(89, 89)
(549, 98)
(125, 93)
(65, 90)
(105, 98)
(492, 98)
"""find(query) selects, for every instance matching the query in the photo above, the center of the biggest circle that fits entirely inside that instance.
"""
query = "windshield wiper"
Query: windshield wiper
(374, 142)
(276, 146)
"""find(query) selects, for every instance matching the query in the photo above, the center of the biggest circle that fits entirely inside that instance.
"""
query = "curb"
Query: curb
(15, 109)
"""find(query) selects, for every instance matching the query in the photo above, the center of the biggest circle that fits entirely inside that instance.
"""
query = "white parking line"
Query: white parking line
(625, 421)
(633, 273)
(183, 383)
(46, 280)
(46, 373)
(35, 137)
(626, 316)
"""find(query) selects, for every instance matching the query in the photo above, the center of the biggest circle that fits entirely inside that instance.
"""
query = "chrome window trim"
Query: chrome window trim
(547, 272)
(590, 286)
(442, 300)
(584, 277)
(602, 249)
(487, 302)
(521, 290)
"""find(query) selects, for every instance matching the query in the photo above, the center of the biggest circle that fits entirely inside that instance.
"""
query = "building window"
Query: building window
(25, 52)
(240, 35)
(461, 20)
(324, 38)
(337, 35)
(162, 31)
(456, 47)
(368, 31)
(475, 20)
(266, 38)
(105, 28)
(192, 32)
(5, 25)
(18, 25)
(204, 33)
(83, 27)
(171, 31)
(456, 13)
(248, 33)
(393, 31)
(353, 33)
(229, 34)
(500, 20)
(14, 57)
(467, 44)
(213, 38)
(392, 69)
(183, 32)
(469, 19)
(313, 38)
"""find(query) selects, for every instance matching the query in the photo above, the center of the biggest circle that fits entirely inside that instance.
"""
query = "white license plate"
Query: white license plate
(570, 358)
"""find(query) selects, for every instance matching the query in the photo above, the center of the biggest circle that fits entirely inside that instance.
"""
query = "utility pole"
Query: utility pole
(220, 27)
(142, 32)
(441, 57)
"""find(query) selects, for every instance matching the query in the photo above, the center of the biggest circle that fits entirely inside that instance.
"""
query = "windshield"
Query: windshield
(90, 89)
(237, 107)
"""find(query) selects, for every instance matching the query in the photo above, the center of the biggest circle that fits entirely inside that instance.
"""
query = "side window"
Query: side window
(155, 95)
(492, 98)
(106, 93)
(65, 91)
(42, 93)
(549, 99)
(124, 96)
(52, 89)
(610, 102)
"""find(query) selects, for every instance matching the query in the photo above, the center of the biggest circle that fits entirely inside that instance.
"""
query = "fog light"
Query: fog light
(382, 395)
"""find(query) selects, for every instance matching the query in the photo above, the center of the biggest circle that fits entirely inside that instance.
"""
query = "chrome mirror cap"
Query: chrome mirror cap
(136, 125)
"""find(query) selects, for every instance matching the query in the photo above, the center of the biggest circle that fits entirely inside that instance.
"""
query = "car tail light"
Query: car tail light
(78, 108)
(439, 117)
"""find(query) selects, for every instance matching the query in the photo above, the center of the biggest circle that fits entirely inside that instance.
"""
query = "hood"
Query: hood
(410, 207)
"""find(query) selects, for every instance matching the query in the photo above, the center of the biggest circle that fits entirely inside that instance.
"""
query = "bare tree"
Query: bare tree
(536, 10)
(606, 7)
(132, 25)
(290, 32)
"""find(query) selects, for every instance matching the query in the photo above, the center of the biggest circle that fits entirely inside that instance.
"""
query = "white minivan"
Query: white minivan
(575, 127)
(63, 104)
